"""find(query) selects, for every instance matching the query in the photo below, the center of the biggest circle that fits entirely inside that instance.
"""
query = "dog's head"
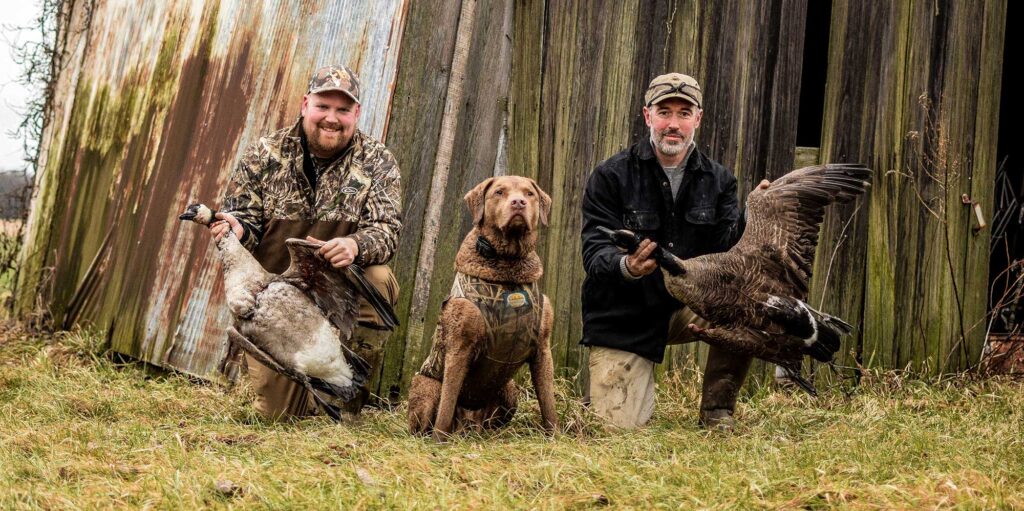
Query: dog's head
(509, 203)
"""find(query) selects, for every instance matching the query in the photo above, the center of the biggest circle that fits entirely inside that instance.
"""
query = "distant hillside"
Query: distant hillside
(12, 193)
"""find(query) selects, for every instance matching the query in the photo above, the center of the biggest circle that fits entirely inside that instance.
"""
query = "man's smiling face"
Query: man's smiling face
(329, 121)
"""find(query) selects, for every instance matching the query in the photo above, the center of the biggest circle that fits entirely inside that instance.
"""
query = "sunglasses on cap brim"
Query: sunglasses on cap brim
(672, 89)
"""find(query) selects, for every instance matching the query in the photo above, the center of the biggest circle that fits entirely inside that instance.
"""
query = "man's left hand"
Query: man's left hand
(340, 252)
(763, 185)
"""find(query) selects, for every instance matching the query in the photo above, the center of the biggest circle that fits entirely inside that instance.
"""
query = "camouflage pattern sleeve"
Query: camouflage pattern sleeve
(243, 197)
(381, 218)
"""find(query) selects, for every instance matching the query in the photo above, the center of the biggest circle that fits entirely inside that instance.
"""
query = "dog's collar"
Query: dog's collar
(485, 249)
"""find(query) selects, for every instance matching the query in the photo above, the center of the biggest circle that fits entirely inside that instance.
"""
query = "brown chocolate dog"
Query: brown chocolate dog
(494, 321)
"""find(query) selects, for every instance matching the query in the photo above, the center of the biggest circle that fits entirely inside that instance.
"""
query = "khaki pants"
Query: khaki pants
(622, 383)
(278, 397)
(621, 387)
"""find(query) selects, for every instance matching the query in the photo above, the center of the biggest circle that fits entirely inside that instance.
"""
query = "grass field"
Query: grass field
(79, 431)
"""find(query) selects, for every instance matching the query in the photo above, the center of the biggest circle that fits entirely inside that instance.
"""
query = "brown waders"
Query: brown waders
(723, 374)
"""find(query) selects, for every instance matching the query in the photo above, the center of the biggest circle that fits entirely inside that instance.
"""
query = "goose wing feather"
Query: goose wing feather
(328, 287)
(787, 216)
(357, 276)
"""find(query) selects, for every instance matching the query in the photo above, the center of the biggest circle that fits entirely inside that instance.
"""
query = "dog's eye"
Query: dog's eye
(499, 192)
(529, 194)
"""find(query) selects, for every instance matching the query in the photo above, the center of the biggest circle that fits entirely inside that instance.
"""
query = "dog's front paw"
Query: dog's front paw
(552, 430)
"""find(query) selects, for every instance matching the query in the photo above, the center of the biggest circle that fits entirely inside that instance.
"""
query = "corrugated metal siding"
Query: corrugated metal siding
(165, 97)
(157, 102)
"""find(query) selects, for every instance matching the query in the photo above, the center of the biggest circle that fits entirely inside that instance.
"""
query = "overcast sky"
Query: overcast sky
(12, 94)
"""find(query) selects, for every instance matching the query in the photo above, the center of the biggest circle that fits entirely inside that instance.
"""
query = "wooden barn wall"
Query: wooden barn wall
(463, 90)
(549, 90)
(918, 101)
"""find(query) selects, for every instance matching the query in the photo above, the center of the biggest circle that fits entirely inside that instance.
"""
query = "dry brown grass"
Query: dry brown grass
(78, 431)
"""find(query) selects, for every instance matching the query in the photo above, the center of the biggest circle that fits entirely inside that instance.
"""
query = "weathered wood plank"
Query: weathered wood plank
(416, 113)
(914, 123)
(839, 263)
(453, 104)
(479, 125)
(989, 70)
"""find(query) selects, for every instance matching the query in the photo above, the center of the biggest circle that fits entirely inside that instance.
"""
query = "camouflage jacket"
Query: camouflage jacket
(362, 188)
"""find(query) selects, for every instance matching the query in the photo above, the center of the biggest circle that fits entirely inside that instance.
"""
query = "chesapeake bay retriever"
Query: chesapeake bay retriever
(494, 321)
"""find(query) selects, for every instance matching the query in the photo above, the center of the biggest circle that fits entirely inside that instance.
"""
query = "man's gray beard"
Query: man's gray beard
(667, 149)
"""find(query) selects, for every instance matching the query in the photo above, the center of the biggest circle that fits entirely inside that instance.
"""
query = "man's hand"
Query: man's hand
(220, 227)
(641, 263)
(763, 185)
(340, 252)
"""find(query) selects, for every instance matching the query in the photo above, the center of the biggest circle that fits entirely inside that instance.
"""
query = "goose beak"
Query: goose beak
(622, 238)
(672, 265)
(193, 213)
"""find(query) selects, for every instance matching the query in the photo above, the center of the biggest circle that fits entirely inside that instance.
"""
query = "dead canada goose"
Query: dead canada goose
(298, 322)
(755, 294)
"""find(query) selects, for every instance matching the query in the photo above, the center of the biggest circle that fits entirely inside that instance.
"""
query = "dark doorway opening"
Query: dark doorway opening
(1006, 265)
(814, 74)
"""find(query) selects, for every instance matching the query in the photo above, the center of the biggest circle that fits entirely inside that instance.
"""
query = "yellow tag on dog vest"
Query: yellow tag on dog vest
(516, 299)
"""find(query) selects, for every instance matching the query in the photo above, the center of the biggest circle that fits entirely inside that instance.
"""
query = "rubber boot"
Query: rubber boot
(723, 377)
(369, 344)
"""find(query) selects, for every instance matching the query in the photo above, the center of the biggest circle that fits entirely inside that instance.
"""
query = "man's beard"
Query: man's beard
(319, 144)
(666, 148)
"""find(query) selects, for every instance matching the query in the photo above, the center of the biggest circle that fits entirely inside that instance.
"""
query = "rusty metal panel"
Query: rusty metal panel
(158, 100)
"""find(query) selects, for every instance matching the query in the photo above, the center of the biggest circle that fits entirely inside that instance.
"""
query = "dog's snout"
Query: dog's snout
(519, 202)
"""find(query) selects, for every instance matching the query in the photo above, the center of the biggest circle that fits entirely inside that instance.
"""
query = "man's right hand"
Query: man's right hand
(220, 227)
(641, 263)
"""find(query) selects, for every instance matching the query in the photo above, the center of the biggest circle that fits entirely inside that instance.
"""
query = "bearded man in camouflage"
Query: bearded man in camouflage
(321, 179)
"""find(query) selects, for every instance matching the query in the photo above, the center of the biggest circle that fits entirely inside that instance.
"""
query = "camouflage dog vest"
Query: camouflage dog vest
(512, 315)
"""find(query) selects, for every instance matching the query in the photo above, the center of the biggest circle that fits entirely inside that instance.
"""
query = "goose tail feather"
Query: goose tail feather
(332, 411)
(820, 332)
(800, 381)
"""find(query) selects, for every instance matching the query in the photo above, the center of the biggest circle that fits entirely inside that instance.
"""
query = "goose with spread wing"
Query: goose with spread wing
(298, 322)
(755, 294)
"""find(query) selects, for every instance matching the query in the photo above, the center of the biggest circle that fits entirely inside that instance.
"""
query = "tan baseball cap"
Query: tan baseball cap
(673, 85)
(335, 77)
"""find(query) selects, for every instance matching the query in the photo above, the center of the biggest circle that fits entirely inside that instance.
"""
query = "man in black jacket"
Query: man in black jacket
(669, 192)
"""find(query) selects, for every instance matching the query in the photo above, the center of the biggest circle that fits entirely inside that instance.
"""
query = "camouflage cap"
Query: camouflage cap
(333, 77)
(673, 85)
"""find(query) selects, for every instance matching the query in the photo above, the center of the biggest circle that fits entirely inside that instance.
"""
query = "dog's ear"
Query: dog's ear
(545, 203)
(475, 201)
